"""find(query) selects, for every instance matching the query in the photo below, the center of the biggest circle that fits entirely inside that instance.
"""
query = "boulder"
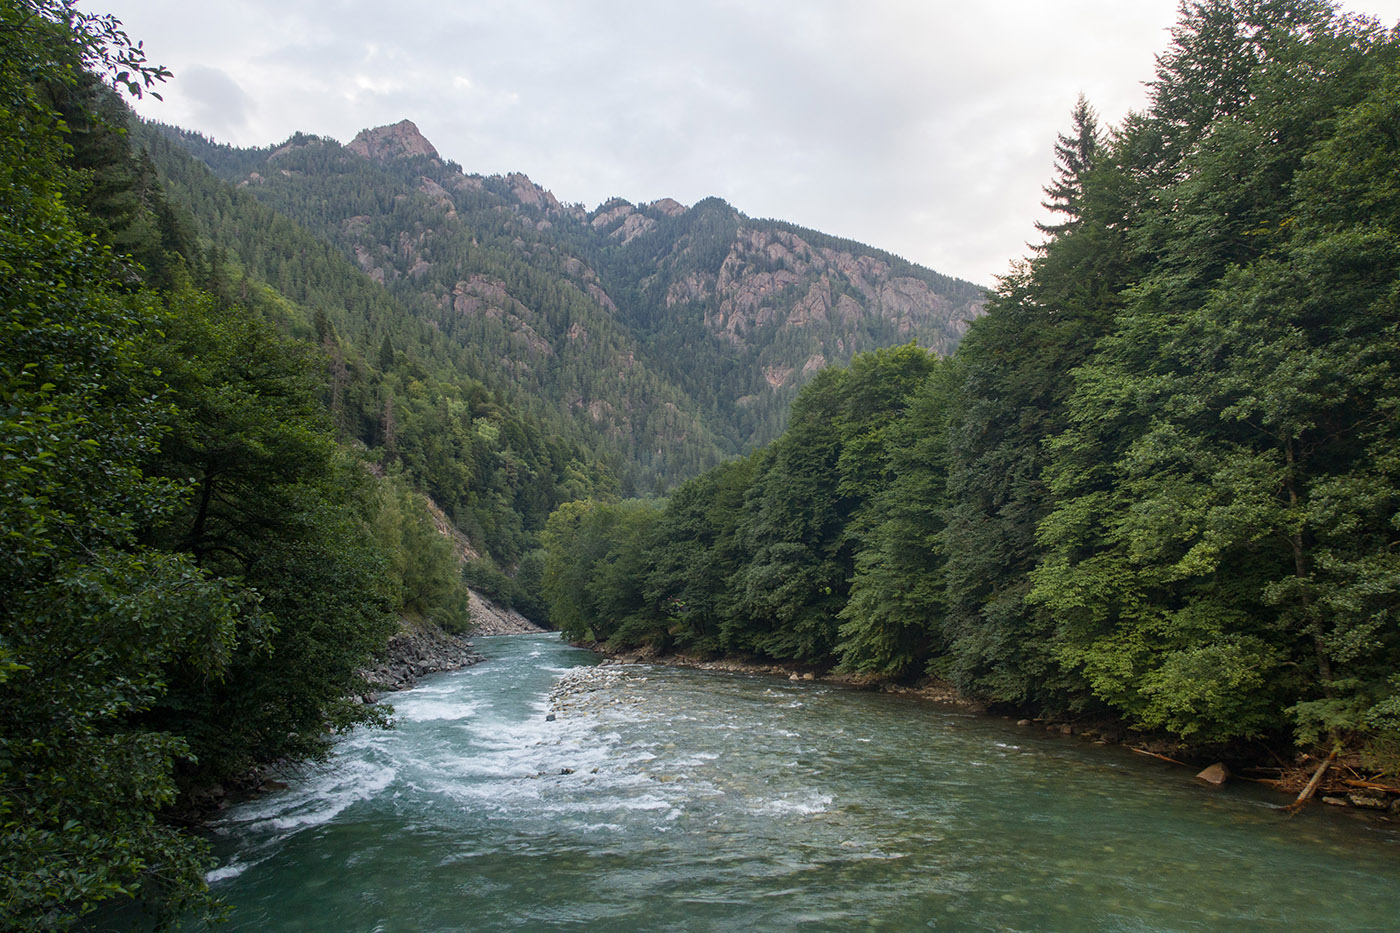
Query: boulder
(1216, 775)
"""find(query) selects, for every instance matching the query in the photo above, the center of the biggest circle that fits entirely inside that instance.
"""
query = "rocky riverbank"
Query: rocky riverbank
(420, 650)
(1344, 786)
(414, 653)
(933, 691)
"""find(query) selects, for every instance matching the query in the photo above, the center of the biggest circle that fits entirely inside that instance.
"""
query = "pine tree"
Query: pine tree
(1074, 156)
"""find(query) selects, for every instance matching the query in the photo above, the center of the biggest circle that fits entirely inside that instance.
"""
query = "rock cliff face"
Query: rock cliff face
(392, 142)
(776, 279)
(748, 281)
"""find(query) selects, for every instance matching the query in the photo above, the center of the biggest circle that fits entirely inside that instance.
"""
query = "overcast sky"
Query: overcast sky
(918, 126)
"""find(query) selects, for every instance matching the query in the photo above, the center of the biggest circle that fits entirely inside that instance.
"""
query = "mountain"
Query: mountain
(671, 337)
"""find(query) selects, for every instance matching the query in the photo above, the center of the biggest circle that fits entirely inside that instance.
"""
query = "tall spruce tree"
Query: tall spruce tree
(1074, 157)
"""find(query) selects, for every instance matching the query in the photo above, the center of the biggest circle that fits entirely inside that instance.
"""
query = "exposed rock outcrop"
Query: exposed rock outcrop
(822, 285)
(392, 142)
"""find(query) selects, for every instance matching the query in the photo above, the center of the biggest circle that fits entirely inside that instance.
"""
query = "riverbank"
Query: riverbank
(1344, 783)
(421, 648)
(412, 654)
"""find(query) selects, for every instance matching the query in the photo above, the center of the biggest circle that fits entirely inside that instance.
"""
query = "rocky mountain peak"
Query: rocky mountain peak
(392, 142)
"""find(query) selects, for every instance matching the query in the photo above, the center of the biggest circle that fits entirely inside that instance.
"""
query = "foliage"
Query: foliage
(423, 568)
(276, 506)
(890, 624)
(89, 620)
(1158, 479)
(592, 570)
(752, 558)
(190, 582)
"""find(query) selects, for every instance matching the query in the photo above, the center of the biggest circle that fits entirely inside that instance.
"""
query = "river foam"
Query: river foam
(657, 799)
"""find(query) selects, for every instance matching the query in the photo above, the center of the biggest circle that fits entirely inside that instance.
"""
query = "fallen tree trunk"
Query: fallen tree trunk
(1306, 793)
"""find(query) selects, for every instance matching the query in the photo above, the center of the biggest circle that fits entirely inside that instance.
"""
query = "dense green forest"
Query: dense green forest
(1159, 481)
(211, 486)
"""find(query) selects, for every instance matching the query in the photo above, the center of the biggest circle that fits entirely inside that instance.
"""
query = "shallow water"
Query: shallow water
(663, 799)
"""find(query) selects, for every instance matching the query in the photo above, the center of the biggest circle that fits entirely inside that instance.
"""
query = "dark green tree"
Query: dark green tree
(279, 508)
(892, 624)
(89, 620)
(1198, 485)
(1074, 156)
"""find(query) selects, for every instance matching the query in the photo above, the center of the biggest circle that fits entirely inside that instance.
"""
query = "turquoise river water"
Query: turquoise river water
(671, 799)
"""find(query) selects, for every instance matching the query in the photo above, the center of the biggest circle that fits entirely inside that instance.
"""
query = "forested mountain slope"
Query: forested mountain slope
(671, 337)
(1159, 481)
(398, 384)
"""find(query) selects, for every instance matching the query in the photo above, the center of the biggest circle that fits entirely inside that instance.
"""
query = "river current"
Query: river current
(672, 799)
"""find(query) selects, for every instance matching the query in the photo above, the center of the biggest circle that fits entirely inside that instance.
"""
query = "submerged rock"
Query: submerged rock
(1216, 775)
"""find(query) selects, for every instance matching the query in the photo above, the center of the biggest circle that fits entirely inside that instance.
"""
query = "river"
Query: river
(673, 799)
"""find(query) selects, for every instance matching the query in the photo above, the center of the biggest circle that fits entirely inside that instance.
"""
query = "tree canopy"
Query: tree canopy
(1157, 481)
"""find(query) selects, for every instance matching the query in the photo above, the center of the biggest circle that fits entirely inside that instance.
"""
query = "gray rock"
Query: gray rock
(1367, 802)
(411, 654)
(1216, 775)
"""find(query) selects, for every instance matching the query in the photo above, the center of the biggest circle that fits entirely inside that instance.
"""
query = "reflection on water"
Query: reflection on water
(662, 799)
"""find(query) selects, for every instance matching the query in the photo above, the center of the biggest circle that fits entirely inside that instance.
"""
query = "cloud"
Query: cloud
(923, 128)
(218, 105)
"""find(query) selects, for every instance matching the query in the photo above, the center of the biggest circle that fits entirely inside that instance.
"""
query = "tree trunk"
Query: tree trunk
(1306, 793)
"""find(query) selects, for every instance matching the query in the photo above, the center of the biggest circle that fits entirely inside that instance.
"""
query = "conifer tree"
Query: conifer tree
(1075, 152)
